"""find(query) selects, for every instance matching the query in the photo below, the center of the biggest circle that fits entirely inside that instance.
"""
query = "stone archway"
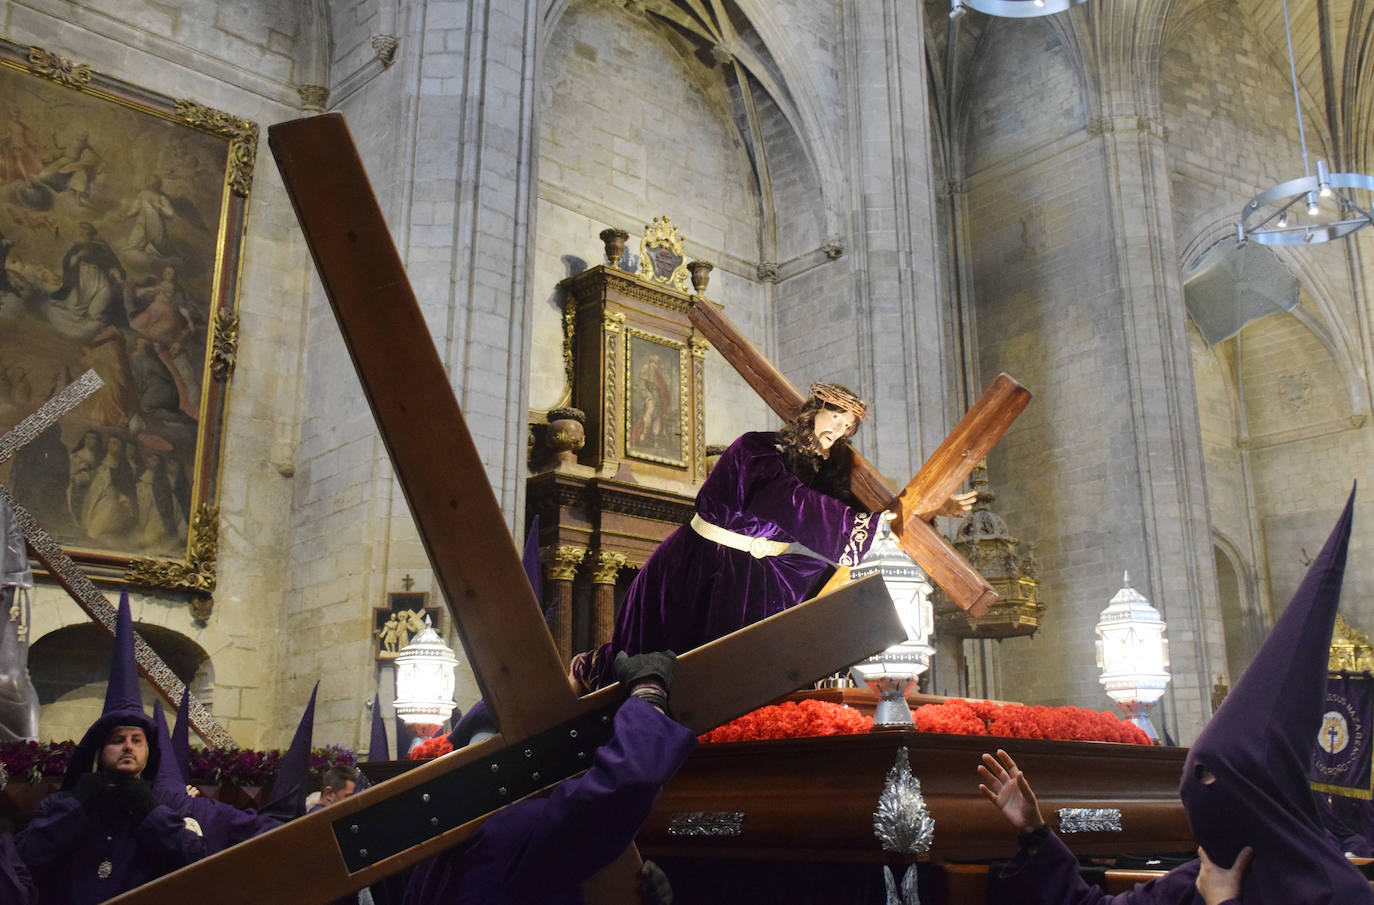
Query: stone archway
(70, 666)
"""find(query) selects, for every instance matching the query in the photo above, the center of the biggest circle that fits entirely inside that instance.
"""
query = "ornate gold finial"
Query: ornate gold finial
(661, 258)
(61, 71)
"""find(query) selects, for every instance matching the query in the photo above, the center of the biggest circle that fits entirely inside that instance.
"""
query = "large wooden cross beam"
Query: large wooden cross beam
(325, 855)
(75, 582)
(926, 492)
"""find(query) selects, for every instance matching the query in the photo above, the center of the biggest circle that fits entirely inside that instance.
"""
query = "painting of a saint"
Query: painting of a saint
(110, 258)
(655, 430)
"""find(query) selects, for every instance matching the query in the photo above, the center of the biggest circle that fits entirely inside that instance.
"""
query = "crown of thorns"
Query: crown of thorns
(842, 398)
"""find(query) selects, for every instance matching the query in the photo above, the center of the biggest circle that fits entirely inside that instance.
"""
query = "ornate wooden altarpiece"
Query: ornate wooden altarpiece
(636, 368)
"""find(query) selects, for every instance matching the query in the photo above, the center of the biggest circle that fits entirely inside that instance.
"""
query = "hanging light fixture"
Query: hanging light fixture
(425, 682)
(1268, 218)
(1133, 655)
(1011, 9)
(893, 671)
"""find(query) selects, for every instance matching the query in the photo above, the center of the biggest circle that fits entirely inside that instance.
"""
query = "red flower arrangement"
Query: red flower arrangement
(432, 747)
(792, 719)
(961, 717)
(955, 717)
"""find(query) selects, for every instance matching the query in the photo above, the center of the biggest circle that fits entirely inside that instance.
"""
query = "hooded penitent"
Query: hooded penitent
(221, 824)
(181, 736)
(376, 745)
(123, 704)
(1257, 748)
(287, 800)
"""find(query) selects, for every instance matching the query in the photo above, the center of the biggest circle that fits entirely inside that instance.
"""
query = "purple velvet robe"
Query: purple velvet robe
(540, 850)
(692, 590)
(16, 886)
(222, 824)
(64, 844)
(1048, 875)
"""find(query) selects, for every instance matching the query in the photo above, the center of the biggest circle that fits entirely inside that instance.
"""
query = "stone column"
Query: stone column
(608, 566)
(563, 561)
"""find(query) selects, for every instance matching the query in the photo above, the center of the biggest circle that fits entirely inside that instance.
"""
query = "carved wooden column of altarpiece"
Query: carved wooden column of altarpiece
(637, 371)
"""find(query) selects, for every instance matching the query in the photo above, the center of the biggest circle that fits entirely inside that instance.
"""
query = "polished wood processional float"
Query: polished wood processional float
(615, 470)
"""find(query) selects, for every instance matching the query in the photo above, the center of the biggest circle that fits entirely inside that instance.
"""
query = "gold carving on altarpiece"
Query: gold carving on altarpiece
(1351, 648)
(661, 257)
(242, 135)
(225, 345)
(62, 71)
(197, 573)
(564, 560)
(607, 566)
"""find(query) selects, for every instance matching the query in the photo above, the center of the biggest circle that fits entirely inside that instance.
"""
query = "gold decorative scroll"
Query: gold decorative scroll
(661, 256)
(242, 135)
(197, 572)
(62, 71)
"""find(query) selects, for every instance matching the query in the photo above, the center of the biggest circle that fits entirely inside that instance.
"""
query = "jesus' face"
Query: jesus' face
(831, 426)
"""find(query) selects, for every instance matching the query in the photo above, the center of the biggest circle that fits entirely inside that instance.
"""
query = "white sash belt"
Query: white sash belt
(758, 547)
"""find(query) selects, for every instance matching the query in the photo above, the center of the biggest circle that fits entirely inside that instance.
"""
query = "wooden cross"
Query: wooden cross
(67, 574)
(546, 732)
(926, 492)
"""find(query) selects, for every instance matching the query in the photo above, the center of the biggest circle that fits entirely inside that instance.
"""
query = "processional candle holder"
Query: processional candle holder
(891, 673)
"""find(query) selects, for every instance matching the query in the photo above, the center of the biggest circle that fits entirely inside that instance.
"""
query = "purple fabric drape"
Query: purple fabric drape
(692, 590)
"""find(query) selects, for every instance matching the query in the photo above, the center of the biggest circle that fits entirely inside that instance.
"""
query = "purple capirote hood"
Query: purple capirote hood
(1258, 747)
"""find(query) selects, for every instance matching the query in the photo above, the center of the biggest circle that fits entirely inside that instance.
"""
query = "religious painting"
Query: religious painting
(121, 226)
(656, 399)
(401, 620)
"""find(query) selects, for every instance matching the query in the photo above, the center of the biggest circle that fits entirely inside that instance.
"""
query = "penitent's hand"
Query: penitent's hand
(1221, 884)
(1005, 786)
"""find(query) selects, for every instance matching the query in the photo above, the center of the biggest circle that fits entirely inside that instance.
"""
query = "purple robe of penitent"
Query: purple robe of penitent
(16, 886)
(83, 855)
(540, 851)
(1047, 873)
(693, 590)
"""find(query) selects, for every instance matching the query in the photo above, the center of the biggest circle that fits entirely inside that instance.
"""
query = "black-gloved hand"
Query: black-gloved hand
(653, 885)
(133, 795)
(90, 787)
(648, 676)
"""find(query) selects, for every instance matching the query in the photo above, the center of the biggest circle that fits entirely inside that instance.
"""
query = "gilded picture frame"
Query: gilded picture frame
(657, 400)
(122, 218)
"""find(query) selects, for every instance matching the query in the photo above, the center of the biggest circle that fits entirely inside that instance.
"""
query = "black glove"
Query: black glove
(648, 676)
(133, 795)
(653, 885)
(90, 787)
